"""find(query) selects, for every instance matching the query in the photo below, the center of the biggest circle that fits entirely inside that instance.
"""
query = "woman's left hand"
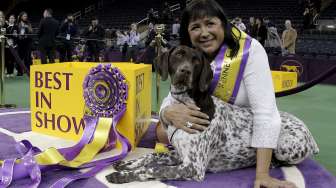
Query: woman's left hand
(264, 180)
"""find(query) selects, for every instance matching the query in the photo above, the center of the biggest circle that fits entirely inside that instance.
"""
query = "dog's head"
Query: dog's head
(187, 68)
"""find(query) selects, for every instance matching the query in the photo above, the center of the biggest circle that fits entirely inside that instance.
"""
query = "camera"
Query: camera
(159, 28)
(3, 31)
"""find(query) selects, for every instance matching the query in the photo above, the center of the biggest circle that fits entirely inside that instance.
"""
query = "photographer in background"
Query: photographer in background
(68, 31)
(151, 43)
(94, 33)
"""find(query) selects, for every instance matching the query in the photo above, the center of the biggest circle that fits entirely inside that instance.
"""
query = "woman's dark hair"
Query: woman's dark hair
(261, 20)
(11, 15)
(20, 17)
(198, 9)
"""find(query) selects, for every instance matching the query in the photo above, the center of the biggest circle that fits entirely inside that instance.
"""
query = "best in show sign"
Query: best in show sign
(57, 103)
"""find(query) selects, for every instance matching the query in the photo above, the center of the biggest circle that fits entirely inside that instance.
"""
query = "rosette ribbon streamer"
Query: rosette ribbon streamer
(105, 95)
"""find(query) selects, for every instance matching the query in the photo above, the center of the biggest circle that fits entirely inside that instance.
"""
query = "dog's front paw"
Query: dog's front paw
(118, 178)
(119, 165)
(125, 165)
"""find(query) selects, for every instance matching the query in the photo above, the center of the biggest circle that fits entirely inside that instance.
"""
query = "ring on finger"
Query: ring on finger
(189, 124)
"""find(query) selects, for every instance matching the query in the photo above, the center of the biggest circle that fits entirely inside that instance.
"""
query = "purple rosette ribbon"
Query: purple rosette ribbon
(105, 95)
(105, 91)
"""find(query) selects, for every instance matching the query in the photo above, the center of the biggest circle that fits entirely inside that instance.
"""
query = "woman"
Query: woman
(261, 31)
(11, 30)
(25, 41)
(204, 26)
(133, 43)
(122, 42)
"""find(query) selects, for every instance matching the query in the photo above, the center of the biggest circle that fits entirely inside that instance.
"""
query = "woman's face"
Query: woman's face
(207, 34)
(11, 19)
(258, 21)
(24, 17)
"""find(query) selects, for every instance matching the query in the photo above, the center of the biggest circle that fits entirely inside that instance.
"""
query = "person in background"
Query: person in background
(289, 36)
(252, 27)
(68, 31)
(12, 32)
(261, 31)
(122, 39)
(176, 28)
(94, 33)
(273, 41)
(25, 41)
(2, 19)
(166, 13)
(151, 16)
(239, 24)
(133, 42)
(307, 19)
(79, 50)
(48, 30)
(3, 27)
(150, 47)
(3, 24)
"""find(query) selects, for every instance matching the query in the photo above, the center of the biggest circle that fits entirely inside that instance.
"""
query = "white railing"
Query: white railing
(175, 7)
(77, 15)
(89, 9)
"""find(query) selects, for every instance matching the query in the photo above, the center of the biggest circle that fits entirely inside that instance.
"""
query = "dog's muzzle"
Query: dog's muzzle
(183, 75)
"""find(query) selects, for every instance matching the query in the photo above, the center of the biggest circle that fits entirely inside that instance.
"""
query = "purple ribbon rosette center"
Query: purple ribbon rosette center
(105, 91)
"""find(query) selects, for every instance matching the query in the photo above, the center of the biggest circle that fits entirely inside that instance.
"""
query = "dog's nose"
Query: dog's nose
(184, 69)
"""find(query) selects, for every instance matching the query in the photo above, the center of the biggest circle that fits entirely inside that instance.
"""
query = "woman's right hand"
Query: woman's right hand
(179, 114)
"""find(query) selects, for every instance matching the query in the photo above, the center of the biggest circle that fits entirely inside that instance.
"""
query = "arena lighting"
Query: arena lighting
(331, 26)
(327, 24)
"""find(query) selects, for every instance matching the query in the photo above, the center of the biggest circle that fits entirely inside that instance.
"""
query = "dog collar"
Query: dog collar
(179, 92)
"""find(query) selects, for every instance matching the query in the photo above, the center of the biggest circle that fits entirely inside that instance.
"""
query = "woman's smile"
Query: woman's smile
(207, 34)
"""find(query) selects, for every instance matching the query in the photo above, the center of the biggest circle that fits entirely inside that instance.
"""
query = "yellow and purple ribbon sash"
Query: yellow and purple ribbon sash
(105, 94)
(228, 72)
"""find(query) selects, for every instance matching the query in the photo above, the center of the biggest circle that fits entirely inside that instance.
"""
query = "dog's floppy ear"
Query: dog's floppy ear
(161, 64)
(206, 74)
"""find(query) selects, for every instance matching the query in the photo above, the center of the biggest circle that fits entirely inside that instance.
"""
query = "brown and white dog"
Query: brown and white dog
(224, 145)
